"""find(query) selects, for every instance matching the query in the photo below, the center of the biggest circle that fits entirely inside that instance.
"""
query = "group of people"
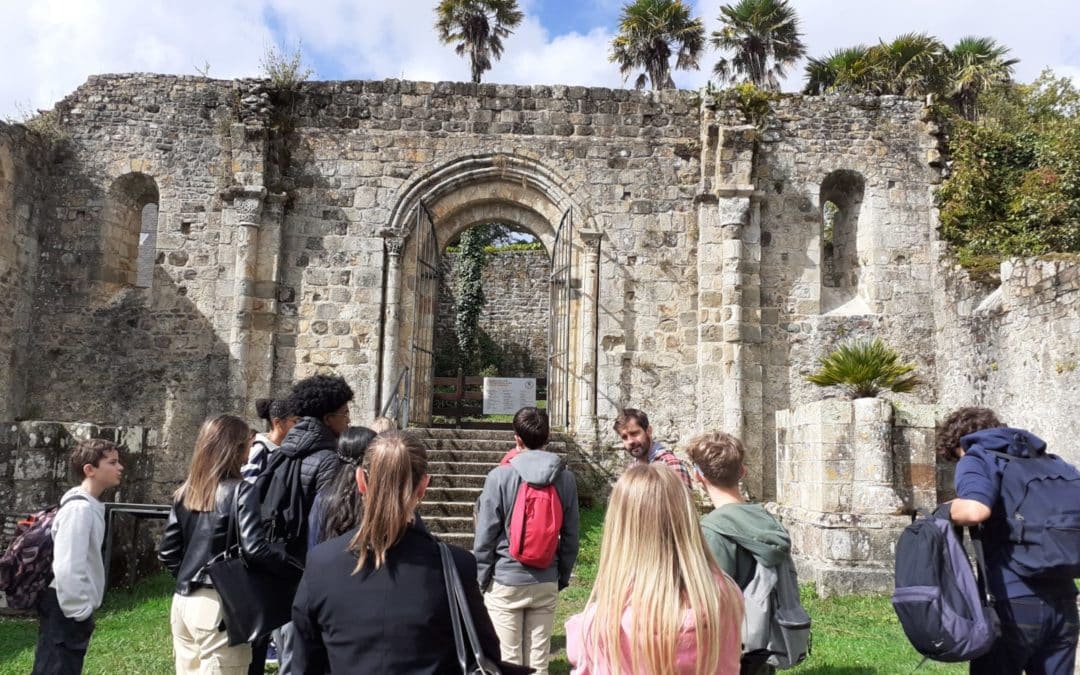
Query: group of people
(373, 597)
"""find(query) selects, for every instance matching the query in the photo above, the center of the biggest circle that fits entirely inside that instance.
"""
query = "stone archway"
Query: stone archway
(454, 197)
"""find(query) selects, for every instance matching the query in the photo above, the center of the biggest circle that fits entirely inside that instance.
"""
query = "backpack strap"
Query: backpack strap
(976, 532)
(73, 498)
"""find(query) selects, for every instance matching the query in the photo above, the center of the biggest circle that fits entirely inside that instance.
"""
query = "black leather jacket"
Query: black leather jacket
(193, 538)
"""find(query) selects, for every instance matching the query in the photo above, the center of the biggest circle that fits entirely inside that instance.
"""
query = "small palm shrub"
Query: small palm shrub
(864, 368)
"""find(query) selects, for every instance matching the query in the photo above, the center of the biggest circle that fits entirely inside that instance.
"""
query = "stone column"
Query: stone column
(729, 301)
(244, 213)
(391, 319)
(260, 375)
(590, 308)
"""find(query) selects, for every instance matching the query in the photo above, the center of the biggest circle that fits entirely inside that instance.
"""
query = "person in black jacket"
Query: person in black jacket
(197, 530)
(374, 599)
(305, 465)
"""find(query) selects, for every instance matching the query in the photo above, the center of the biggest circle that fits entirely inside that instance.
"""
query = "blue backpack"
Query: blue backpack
(1040, 494)
(944, 610)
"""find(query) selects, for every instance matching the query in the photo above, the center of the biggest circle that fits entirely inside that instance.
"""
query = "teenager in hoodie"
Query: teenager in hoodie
(739, 534)
(1039, 622)
(66, 607)
(521, 599)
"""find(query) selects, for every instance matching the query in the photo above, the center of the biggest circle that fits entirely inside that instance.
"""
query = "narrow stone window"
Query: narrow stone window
(144, 275)
(128, 240)
(841, 200)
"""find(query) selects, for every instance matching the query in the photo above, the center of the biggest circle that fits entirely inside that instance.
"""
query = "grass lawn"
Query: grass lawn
(852, 636)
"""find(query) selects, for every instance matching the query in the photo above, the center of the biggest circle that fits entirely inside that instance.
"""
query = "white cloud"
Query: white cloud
(54, 45)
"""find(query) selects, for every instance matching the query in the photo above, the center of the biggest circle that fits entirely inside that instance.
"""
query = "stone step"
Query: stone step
(462, 539)
(440, 524)
(470, 468)
(451, 494)
(433, 444)
(471, 456)
(433, 509)
(457, 480)
(506, 436)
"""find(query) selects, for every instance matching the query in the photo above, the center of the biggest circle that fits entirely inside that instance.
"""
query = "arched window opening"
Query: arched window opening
(841, 201)
(128, 232)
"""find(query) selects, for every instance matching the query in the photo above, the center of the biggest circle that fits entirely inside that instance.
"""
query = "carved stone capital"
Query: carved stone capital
(246, 203)
(394, 246)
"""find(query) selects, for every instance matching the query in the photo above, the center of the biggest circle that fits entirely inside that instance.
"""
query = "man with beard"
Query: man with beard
(633, 428)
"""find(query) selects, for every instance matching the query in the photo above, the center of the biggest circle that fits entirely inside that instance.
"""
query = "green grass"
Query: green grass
(852, 635)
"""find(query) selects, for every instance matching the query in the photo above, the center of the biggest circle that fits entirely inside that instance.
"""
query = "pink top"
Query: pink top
(685, 654)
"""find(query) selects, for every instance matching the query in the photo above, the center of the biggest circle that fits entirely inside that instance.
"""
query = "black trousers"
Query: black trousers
(62, 642)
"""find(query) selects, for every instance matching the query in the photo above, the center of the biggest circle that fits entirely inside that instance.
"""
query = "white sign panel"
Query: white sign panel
(507, 395)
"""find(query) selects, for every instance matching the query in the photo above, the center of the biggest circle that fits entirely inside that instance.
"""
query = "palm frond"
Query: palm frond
(864, 368)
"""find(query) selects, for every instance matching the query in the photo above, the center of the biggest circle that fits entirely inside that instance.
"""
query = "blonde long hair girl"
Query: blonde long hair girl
(660, 604)
(393, 479)
(220, 452)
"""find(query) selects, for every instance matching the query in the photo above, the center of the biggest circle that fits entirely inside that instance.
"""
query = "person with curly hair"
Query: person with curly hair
(1038, 613)
(305, 465)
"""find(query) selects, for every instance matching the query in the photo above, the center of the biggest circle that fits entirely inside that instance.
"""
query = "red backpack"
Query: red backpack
(535, 523)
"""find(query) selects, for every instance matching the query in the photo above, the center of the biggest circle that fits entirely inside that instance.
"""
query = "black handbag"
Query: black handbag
(255, 600)
(460, 616)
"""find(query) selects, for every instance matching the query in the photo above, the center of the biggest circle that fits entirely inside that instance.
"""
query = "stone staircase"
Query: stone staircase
(458, 461)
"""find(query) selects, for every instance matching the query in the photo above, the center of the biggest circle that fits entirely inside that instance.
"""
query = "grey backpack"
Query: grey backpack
(776, 628)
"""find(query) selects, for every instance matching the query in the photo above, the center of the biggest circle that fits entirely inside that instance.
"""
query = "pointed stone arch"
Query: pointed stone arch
(456, 195)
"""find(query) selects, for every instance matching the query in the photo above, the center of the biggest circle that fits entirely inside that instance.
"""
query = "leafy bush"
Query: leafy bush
(754, 103)
(1015, 182)
(864, 368)
(285, 70)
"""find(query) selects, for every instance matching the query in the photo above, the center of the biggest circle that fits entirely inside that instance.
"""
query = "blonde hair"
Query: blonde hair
(220, 452)
(395, 463)
(654, 563)
(381, 425)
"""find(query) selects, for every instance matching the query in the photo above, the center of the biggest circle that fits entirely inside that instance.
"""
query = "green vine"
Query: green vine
(470, 292)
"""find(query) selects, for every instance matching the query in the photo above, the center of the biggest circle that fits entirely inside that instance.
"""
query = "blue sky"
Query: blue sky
(52, 46)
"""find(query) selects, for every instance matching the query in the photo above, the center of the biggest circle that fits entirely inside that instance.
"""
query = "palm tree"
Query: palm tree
(840, 69)
(865, 368)
(911, 65)
(477, 28)
(977, 64)
(649, 30)
(758, 32)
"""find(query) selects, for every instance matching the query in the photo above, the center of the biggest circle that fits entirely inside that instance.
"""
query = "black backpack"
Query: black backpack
(281, 496)
(945, 611)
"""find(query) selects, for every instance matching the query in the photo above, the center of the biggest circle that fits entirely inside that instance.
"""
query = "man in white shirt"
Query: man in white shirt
(66, 607)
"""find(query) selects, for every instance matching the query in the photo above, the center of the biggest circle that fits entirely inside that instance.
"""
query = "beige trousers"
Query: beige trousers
(523, 617)
(200, 648)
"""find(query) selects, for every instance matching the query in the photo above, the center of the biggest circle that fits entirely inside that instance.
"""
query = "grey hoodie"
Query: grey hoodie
(491, 545)
(741, 534)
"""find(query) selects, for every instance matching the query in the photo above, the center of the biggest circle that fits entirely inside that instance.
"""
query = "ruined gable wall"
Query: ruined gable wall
(23, 170)
(104, 351)
(888, 144)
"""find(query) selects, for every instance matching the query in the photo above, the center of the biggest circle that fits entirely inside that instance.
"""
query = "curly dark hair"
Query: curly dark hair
(960, 423)
(270, 409)
(319, 395)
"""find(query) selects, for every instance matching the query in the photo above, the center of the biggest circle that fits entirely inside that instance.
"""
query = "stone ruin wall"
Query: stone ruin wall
(1013, 346)
(712, 305)
(22, 203)
(515, 315)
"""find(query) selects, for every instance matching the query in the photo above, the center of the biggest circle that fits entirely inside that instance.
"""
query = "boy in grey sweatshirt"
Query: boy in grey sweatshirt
(66, 607)
(521, 599)
(739, 534)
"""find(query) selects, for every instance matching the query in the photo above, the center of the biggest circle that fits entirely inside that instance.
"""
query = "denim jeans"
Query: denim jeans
(62, 642)
(1038, 637)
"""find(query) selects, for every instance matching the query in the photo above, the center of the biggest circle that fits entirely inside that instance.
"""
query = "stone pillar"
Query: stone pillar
(260, 375)
(729, 302)
(585, 422)
(244, 214)
(391, 320)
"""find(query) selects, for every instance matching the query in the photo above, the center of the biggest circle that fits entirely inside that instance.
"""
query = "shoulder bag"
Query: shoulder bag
(476, 663)
(254, 600)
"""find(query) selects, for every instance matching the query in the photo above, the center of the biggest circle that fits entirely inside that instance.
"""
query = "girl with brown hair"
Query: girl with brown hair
(197, 530)
(374, 599)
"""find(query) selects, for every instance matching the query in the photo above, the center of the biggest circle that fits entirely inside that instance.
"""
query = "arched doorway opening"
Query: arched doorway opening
(434, 212)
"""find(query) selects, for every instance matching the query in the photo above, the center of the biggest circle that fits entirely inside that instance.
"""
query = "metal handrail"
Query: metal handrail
(399, 402)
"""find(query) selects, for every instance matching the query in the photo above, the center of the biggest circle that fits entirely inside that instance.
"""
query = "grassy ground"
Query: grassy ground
(852, 636)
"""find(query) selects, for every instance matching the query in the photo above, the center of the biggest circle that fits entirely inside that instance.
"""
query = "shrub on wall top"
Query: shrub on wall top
(865, 368)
